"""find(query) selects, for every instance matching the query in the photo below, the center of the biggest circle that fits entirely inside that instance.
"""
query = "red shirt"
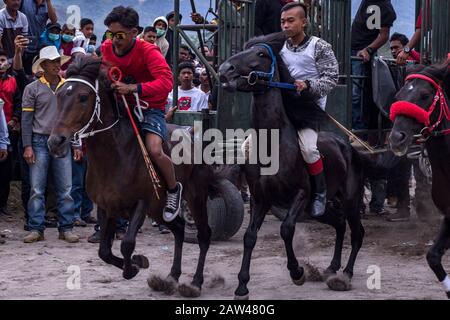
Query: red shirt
(8, 88)
(414, 56)
(148, 68)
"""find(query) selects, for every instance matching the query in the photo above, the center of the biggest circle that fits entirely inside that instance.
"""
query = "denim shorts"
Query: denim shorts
(154, 122)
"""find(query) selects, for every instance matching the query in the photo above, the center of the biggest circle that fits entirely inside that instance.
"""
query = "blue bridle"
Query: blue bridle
(255, 76)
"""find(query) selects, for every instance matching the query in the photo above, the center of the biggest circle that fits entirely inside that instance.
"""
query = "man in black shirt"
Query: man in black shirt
(267, 16)
(367, 38)
(370, 31)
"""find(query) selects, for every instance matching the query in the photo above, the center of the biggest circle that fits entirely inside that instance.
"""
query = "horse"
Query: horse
(117, 178)
(290, 187)
(421, 114)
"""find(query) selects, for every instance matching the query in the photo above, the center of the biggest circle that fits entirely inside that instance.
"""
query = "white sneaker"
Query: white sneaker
(173, 204)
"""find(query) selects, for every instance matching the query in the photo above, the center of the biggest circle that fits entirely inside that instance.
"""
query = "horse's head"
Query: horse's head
(258, 61)
(78, 100)
(421, 106)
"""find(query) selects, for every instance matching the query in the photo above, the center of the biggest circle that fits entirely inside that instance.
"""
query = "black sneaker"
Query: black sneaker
(173, 204)
(399, 216)
(95, 237)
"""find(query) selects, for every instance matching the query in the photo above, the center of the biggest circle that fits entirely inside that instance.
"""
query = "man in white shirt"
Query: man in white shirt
(313, 65)
(190, 98)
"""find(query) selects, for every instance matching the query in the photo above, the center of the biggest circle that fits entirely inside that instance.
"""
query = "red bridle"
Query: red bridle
(421, 115)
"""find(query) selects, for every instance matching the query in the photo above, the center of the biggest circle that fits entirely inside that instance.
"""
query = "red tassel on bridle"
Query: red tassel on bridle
(414, 111)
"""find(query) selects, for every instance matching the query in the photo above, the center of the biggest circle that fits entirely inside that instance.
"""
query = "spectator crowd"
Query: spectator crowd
(36, 50)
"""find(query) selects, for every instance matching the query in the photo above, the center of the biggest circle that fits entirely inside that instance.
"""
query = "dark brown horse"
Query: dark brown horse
(422, 112)
(117, 178)
(289, 187)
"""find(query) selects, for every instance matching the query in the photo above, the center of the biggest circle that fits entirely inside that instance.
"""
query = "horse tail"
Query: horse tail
(368, 163)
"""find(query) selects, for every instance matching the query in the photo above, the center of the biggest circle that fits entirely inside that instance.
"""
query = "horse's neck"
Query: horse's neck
(115, 139)
(268, 111)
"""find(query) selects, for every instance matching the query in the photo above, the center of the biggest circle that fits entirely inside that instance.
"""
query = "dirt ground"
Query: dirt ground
(40, 270)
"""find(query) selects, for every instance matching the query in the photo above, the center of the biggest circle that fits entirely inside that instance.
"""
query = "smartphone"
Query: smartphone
(32, 40)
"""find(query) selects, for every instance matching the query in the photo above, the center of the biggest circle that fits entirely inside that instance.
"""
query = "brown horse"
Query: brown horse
(422, 111)
(117, 178)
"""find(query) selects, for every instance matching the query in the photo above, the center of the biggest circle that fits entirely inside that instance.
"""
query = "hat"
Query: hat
(50, 26)
(48, 53)
(172, 14)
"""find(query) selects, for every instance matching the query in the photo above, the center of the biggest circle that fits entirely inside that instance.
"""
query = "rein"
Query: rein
(265, 78)
(254, 77)
(412, 110)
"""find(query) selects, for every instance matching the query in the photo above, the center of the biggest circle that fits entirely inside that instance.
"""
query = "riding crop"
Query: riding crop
(115, 75)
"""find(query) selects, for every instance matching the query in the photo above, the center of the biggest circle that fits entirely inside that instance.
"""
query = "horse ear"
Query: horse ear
(416, 68)
(274, 40)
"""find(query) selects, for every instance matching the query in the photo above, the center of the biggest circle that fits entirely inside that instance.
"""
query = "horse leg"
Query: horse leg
(200, 215)
(339, 226)
(169, 284)
(107, 231)
(259, 210)
(356, 238)
(287, 231)
(131, 266)
(434, 255)
(343, 282)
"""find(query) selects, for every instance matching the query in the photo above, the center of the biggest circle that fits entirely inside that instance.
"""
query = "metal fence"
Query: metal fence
(435, 35)
(231, 25)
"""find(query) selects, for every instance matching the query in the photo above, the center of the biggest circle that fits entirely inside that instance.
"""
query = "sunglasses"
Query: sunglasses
(120, 35)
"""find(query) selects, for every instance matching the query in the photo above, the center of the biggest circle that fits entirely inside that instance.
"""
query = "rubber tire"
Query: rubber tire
(234, 208)
(216, 219)
(225, 214)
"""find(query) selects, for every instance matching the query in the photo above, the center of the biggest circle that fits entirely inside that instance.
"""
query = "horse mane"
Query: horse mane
(302, 110)
(85, 66)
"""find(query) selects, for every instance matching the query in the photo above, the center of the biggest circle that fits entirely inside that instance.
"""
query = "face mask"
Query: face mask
(53, 36)
(160, 32)
(67, 38)
(91, 48)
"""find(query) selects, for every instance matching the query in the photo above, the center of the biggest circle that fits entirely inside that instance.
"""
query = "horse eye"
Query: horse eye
(261, 55)
(84, 98)
(424, 96)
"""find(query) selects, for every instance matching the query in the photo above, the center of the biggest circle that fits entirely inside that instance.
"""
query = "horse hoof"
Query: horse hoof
(189, 290)
(141, 261)
(448, 294)
(168, 285)
(241, 298)
(301, 281)
(339, 283)
(130, 274)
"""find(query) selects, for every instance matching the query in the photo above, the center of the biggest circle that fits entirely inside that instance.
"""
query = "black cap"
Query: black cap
(53, 26)
(172, 14)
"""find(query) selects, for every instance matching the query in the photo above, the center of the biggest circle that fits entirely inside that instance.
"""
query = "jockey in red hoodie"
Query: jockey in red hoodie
(146, 73)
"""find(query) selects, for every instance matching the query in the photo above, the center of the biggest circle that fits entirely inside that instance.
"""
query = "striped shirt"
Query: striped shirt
(10, 29)
(39, 109)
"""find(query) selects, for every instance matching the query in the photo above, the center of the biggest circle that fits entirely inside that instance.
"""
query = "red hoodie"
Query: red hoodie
(148, 68)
